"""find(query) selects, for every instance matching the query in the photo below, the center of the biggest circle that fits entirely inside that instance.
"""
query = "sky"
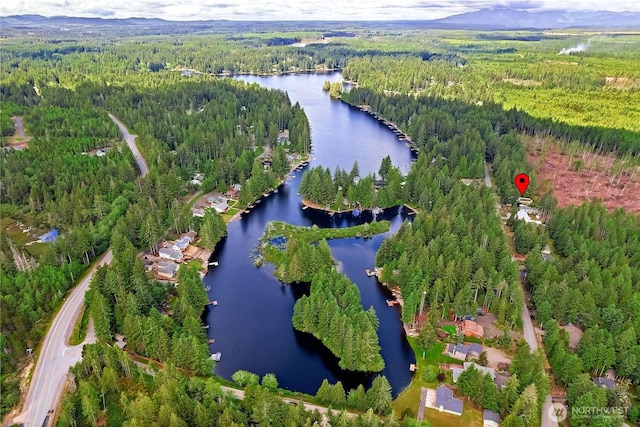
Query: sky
(343, 10)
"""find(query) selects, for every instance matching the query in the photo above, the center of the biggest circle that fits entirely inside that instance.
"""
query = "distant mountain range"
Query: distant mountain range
(511, 19)
(488, 19)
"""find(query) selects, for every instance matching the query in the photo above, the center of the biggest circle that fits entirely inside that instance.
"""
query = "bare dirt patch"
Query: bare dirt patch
(521, 82)
(622, 82)
(495, 357)
(576, 174)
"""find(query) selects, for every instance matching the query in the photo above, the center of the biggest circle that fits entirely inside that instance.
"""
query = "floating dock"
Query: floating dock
(214, 263)
(213, 302)
(216, 356)
(391, 303)
(212, 340)
(370, 273)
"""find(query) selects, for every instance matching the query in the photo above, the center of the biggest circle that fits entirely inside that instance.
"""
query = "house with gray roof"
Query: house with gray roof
(608, 383)
(445, 402)
(475, 349)
(170, 254)
(167, 269)
(490, 418)
(457, 351)
(181, 244)
(484, 370)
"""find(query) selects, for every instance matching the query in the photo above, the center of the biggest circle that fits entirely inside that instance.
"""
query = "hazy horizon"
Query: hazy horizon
(289, 10)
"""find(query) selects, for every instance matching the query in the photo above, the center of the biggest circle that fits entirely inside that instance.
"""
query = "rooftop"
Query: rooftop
(444, 398)
(488, 415)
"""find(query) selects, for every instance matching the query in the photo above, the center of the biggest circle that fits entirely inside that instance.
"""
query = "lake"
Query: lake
(251, 324)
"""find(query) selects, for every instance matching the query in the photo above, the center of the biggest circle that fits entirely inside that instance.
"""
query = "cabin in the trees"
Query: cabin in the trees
(445, 402)
(234, 191)
(484, 370)
(181, 244)
(490, 418)
(199, 212)
(605, 382)
(472, 329)
(166, 269)
(170, 254)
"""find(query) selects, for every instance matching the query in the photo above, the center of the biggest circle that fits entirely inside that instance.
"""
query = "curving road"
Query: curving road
(131, 142)
(56, 356)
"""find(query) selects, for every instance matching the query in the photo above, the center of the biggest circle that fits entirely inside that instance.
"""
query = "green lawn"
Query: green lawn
(410, 397)
(450, 328)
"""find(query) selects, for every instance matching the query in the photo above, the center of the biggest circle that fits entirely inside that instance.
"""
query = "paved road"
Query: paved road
(529, 334)
(56, 356)
(131, 141)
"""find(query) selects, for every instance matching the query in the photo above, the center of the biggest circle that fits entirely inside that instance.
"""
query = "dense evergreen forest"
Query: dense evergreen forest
(216, 127)
(319, 187)
(332, 312)
(590, 281)
(470, 98)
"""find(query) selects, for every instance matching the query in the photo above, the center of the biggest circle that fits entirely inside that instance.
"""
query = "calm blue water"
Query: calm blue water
(252, 323)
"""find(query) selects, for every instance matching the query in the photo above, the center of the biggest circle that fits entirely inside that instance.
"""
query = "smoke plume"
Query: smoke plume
(579, 48)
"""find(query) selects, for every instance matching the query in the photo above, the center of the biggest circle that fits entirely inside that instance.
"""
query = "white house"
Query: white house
(170, 253)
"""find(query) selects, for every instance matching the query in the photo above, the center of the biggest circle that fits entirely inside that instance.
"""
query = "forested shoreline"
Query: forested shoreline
(462, 102)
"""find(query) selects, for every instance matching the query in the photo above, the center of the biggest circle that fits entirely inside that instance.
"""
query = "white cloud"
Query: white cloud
(290, 9)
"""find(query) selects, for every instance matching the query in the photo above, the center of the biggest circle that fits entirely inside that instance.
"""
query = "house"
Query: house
(191, 235)
(475, 349)
(50, 237)
(445, 402)
(608, 383)
(167, 269)
(457, 351)
(170, 254)
(546, 253)
(523, 214)
(234, 191)
(199, 212)
(181, 244)
(490, 418)
(484, 370)
(196, 182)
(472, 329)
(501, 380)
(220, 207)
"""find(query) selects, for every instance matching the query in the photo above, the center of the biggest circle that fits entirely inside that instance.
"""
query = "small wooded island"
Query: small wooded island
(332, 312)
(348, 192)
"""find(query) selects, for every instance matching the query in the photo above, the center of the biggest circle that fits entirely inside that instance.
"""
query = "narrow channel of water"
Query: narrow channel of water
(252, 323)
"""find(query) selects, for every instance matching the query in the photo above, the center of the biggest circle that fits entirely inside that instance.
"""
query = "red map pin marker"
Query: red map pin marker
(522, 182)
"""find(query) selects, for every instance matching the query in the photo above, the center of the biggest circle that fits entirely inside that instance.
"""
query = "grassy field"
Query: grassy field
(410, 397)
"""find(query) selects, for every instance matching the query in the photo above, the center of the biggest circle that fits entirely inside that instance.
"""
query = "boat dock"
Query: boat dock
(391, 303)
(214, 302)
(211, 340)
(216, 356)
(370, 273)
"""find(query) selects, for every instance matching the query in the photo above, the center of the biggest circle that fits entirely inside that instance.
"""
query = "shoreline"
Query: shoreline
(307, 204)
(294, 168)
(263, 74)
